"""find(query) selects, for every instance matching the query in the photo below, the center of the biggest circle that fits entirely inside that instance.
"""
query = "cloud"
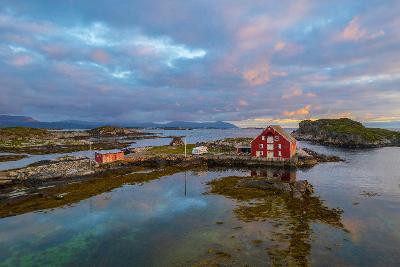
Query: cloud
(257, 75)
(279, 46)
(354, 32)
(100, 56)
(136, 62)
(297, 92)
(299, 112)
(243, 103)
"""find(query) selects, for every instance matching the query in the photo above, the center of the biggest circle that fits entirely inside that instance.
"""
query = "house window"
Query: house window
(279, 146)
(261, 153)
(276, 137)
(260, 146)
(279, 153)
(263, 137)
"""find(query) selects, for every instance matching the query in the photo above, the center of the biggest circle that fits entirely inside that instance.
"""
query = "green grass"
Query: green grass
(348, 126)
(22, 133)
(172, 149)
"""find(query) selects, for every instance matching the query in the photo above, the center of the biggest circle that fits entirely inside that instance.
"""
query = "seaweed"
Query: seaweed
(290, 215)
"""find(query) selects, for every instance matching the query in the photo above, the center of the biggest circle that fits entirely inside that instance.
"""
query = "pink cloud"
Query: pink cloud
(21, 60)
(297, 92)
(293, 92)
(354, 32)
(299, 112)
(279, 46)
(243, 103)
(258, 75)
(100, 56)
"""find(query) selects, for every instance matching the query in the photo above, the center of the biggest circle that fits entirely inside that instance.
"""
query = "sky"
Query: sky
(248, 62)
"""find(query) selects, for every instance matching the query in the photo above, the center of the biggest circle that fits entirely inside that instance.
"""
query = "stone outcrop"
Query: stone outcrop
(345, 133)
(297, 189)
(62, 167)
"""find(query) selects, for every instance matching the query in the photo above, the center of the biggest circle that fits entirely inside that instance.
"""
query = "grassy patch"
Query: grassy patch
(175, 150)
(22, 133)
(348, 126)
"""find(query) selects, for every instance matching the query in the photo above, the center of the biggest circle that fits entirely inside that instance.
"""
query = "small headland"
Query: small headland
(345, 133)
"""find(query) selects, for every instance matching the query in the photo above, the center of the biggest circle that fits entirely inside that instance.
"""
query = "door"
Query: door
(270, 154)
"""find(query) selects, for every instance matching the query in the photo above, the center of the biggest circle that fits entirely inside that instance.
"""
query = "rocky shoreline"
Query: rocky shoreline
(66, 168)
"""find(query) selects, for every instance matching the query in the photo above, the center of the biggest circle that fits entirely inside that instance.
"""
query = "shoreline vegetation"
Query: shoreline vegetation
(41, 141)
(345, 133)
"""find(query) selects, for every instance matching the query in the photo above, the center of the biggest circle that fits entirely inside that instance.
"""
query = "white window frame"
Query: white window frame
(276, 137)
(263, 137)
(260, 146)
(279, 146)
(279, 153)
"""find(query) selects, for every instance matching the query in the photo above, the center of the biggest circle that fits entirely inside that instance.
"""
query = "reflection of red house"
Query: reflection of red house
(108, 157)
(273, 143)
(281, 174)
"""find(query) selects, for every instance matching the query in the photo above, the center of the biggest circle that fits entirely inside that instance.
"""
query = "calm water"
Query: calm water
(171, 222)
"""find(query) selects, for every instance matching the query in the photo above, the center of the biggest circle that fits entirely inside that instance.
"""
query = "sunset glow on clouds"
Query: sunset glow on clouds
(249, 62)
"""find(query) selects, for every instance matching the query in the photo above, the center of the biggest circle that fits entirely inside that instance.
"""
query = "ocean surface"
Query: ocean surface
(174, 221)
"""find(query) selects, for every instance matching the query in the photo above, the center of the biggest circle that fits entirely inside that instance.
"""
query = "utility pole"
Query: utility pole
(185, 146)
(90, 155)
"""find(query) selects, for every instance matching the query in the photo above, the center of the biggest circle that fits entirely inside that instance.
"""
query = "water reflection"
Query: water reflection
(283, 174)
(291, 216)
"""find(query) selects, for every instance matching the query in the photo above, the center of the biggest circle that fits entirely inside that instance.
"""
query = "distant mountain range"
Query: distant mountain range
(12, 121)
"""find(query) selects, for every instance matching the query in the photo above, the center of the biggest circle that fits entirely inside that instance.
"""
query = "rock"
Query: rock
(176, 141)
(64, 167)
(298, 189)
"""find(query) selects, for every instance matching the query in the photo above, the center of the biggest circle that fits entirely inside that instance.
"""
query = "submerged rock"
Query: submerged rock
(296, 188)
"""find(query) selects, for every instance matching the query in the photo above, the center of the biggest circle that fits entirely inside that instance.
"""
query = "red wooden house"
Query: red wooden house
(273, 143)
(108, 157)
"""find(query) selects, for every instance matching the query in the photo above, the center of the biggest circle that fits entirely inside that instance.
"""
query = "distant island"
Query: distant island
(14, 121)
(345, 133)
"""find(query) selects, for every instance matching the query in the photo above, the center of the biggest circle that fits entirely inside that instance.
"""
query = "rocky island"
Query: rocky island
(345, 133)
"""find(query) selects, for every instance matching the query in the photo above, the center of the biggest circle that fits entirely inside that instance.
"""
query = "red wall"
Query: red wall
(287, 149)
(109, 157)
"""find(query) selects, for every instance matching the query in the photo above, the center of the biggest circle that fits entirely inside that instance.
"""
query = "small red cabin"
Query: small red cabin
(273, 143)
(108, 157)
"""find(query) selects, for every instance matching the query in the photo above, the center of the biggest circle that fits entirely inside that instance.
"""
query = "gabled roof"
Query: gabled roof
(282, 132)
